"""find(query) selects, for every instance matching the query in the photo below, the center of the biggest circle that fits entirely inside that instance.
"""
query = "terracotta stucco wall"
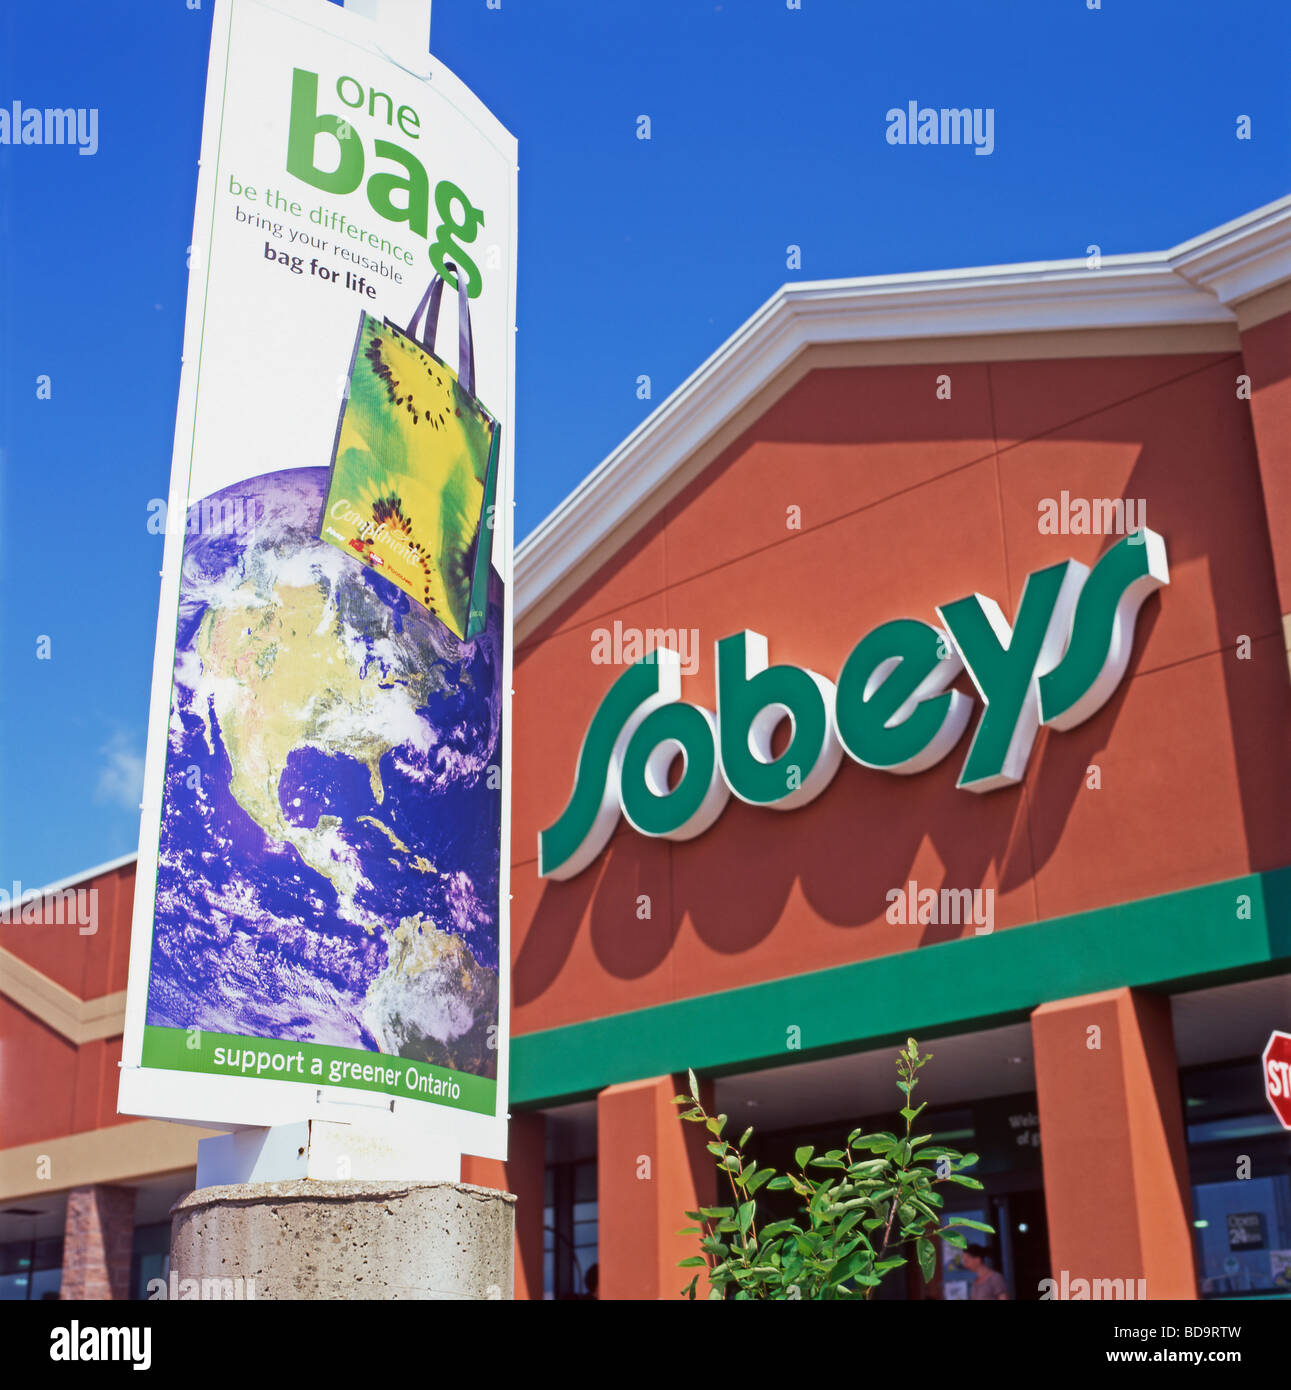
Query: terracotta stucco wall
(50, 1087)
(907, 501)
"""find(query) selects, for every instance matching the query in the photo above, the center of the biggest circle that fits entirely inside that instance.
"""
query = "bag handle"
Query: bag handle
(465, 344)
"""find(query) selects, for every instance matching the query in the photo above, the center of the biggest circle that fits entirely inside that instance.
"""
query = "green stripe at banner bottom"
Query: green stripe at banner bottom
(316, 1064)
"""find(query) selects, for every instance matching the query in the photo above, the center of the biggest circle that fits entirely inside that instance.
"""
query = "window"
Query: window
(31, 1269)
(149, 1257)
(1239, 1158)
(570, 1234)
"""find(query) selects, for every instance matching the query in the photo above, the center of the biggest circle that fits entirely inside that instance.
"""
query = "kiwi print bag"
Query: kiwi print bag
(414, 465)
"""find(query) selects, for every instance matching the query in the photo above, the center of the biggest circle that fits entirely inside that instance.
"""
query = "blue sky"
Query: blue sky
(1115, 126)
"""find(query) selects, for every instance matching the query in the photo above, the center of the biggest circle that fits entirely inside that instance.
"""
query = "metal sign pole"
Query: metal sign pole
(407, 22)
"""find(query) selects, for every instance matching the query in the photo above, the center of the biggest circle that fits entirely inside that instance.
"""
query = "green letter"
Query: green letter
(302, 137)
(567, 847)
(416, 211)
(890, 708)
(698, 799)
(752, 698)
(451, 233)
(1005, 666)
(1102, 633)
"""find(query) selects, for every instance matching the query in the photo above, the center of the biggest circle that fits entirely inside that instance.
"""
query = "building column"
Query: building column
(525, 1174)
(652, 1167)
(98, 1237)
(1266, 359)
(1115, 1156)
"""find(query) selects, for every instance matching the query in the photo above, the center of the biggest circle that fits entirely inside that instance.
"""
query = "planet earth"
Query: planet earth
(328, 865)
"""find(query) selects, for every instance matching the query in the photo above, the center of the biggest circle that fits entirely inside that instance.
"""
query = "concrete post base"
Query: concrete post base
(343, 1240)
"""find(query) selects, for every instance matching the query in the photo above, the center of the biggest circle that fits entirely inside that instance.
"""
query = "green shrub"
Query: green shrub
(867, 1208)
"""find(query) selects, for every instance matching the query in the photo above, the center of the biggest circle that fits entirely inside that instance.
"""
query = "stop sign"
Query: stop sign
(1277, 1076)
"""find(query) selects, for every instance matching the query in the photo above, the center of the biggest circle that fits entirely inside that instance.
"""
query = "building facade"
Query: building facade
(1081, 906)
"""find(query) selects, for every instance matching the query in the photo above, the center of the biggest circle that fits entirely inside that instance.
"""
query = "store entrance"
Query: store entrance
(1019, 1248)
(1005, 1133)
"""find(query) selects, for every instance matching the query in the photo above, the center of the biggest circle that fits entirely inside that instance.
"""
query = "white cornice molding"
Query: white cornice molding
(1242, 258)
(1194, 283)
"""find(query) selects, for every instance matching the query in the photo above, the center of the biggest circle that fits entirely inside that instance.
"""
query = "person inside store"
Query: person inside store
(987, 1282)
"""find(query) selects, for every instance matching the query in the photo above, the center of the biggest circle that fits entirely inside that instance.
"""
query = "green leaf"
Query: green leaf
(746, 1215)
(744, 1138)
(850, 1220)
(867, 1165)
(876, 1143)
(694, 1086)
(800, 1156)
(927, 1259)
(691, 1262)
(757, 1179)
(970, 1225)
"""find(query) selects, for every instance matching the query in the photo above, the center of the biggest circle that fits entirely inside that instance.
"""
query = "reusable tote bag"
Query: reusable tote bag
(414, 466)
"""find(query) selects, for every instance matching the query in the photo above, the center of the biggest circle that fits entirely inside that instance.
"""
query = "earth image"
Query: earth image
(328, 863)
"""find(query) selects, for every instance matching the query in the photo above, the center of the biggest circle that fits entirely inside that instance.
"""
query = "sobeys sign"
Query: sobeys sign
(891, 708)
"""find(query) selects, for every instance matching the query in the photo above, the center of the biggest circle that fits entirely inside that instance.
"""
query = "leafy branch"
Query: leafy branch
(861, 1217)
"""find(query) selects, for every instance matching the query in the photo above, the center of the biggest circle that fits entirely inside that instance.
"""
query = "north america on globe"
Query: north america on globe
(328, 866)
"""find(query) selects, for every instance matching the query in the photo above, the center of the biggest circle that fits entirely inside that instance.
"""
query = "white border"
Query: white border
(229, 1102)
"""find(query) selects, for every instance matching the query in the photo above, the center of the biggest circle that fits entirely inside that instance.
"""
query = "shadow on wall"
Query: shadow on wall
(868, 830)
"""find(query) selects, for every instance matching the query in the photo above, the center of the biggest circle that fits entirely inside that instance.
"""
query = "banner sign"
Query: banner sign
(320, 918)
